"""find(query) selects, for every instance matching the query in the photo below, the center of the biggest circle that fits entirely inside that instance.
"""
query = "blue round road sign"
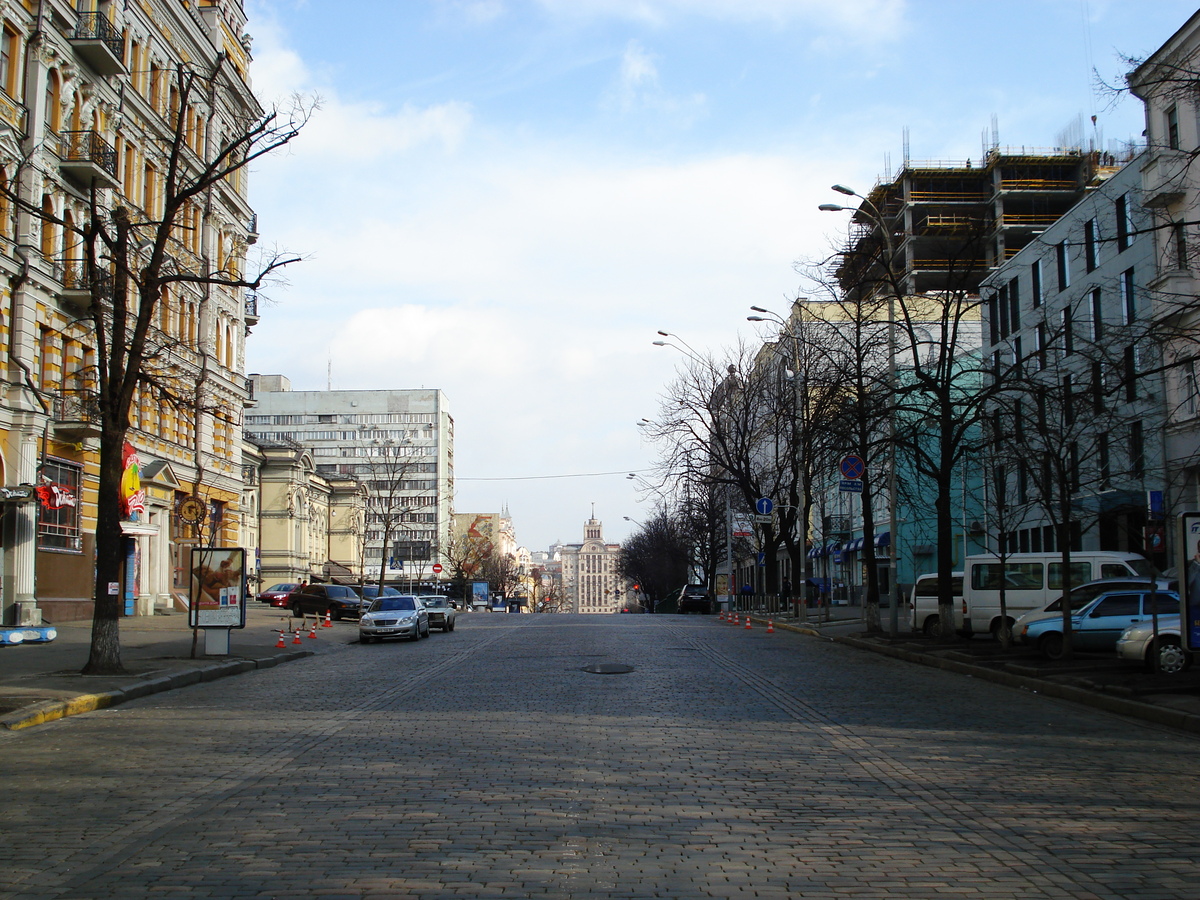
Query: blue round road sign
(764, 505)
(853, 467)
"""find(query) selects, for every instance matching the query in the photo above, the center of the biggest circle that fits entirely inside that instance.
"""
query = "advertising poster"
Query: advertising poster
(1191, 581)
(218, 587)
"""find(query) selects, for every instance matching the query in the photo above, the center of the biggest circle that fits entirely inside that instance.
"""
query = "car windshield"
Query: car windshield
(435, 603)
(393, 604)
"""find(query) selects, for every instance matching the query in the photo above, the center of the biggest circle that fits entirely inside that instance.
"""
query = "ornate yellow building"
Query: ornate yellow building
(88, 101)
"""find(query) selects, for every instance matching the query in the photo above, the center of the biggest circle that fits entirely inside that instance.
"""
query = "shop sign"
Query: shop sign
(20, 493)
(133, 498)
(56, 496)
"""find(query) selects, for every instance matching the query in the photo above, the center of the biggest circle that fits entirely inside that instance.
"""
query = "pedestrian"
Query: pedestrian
(747, 589)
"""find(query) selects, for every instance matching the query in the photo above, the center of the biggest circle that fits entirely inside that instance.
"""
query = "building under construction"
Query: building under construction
(949, 224)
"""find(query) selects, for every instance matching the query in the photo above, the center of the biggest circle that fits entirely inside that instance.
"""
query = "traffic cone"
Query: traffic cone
(747, 623)
(280, 644)
(313, 634)
(770, 627)
(328, 623)
(297, 640)
(721, 617)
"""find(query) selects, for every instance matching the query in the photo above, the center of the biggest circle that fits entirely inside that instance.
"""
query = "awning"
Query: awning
(855, 544)
(883, 539)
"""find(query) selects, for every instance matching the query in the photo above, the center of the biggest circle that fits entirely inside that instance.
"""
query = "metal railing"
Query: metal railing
(77, 406)
(88, 146)
(97, 27)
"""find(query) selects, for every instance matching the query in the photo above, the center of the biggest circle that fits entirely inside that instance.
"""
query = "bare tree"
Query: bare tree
(129, 259)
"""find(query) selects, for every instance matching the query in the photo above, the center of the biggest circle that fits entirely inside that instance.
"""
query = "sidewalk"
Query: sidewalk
(41, 682)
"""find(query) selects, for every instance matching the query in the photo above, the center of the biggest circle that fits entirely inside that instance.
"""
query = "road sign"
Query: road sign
(764, 520)
(764, 505)
(437, 568)
(762, 559)
(853, 467)
(850, 486)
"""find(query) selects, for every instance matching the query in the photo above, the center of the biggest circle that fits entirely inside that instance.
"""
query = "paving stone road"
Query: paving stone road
(485, 763)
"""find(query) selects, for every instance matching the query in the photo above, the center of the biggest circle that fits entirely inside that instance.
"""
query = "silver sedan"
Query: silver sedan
(402, 616)
(1137, 641)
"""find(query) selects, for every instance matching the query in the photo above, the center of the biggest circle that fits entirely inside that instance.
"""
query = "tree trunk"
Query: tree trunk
(105, 655)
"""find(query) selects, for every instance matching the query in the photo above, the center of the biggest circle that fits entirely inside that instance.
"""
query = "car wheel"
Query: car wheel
(296, 612)
(997, 626)
(1172, 658)
(427, 631)
(1052, 645)
(931, 626)
(365, 639)
(450, 627)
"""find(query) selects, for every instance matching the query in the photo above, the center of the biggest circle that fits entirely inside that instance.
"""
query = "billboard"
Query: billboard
(217, 587)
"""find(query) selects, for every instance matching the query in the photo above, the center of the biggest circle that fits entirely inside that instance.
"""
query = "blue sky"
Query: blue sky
(506, 199)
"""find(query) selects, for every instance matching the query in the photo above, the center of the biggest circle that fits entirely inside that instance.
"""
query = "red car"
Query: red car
(277, 594)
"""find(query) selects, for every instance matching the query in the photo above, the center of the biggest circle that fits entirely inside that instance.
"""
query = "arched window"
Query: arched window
(54, 101)
(48, 229)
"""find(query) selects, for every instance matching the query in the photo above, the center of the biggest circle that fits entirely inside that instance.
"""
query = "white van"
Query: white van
(1032, 581)
(924, 601)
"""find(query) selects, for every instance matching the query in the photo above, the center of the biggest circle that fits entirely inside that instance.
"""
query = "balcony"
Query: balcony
(99, 44)
(1166, 178)
(86, 157)
(76, 416)
(77, 286)
(251, 309)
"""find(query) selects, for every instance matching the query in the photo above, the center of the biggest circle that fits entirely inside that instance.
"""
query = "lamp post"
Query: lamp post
(870, 211)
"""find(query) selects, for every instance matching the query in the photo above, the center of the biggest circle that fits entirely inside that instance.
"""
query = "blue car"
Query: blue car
(1096, 626)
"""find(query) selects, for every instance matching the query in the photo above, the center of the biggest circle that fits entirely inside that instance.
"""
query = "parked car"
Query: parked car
(1098, 625)
(337, 600)
(371, 591)
(694, 598)
(277, 592)
(441, 612)
(1137, 643)
(387, 617)
(1085, 593)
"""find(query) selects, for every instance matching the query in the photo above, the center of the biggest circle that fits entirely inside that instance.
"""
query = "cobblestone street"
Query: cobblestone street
(486, 763)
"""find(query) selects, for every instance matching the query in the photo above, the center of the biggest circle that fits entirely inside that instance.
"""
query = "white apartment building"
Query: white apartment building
(399, 443)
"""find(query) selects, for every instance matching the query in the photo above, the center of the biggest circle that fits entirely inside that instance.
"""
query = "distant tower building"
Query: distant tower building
(589, 572)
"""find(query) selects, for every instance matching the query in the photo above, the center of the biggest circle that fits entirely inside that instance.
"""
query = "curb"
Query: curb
(49, 710)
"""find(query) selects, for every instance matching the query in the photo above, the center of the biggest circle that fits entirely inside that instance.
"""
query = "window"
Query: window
(1035, 278)
(1117, 605)
(1172, 135)
(1068, 400)
(1130, 373)
(9, 63)
(1137, 449)
(1089, 244)
(1014, 300)
(1099, 388)
(1102, 456)
(1179, 246)
(1128, 297)
(58, 506)
(1039, 348)
(1061, 252)
(1002, 301)
(1068, 333)
(993, 319)
(1191, 389)
(1014, 576)
(1123, 229)
(1080, 572)
(1097, 314)
(1018, 358)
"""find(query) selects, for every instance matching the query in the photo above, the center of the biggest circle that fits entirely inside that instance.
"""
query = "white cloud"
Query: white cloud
(865, 20)
(639, 90)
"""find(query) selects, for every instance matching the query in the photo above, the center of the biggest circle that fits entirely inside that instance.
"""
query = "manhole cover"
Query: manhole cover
(608, 669)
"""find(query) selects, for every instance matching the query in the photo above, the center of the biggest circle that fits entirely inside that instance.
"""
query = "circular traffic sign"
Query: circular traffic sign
(764, 505)
(853, 467)
(437, 568)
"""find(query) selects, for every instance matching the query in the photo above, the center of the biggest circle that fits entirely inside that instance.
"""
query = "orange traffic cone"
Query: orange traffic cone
(297, 640)
(280, 644)
(328, 623)
(747, 623)
(313, 634)
(770, 627)
(721, 617)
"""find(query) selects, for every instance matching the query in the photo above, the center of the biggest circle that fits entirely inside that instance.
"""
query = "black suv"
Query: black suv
(695, 598)
(335, 599)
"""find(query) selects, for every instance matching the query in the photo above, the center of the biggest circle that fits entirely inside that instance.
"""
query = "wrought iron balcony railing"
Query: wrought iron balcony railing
(88, 147)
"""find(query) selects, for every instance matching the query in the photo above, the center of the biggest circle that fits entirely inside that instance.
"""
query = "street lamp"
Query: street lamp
(870, 211)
